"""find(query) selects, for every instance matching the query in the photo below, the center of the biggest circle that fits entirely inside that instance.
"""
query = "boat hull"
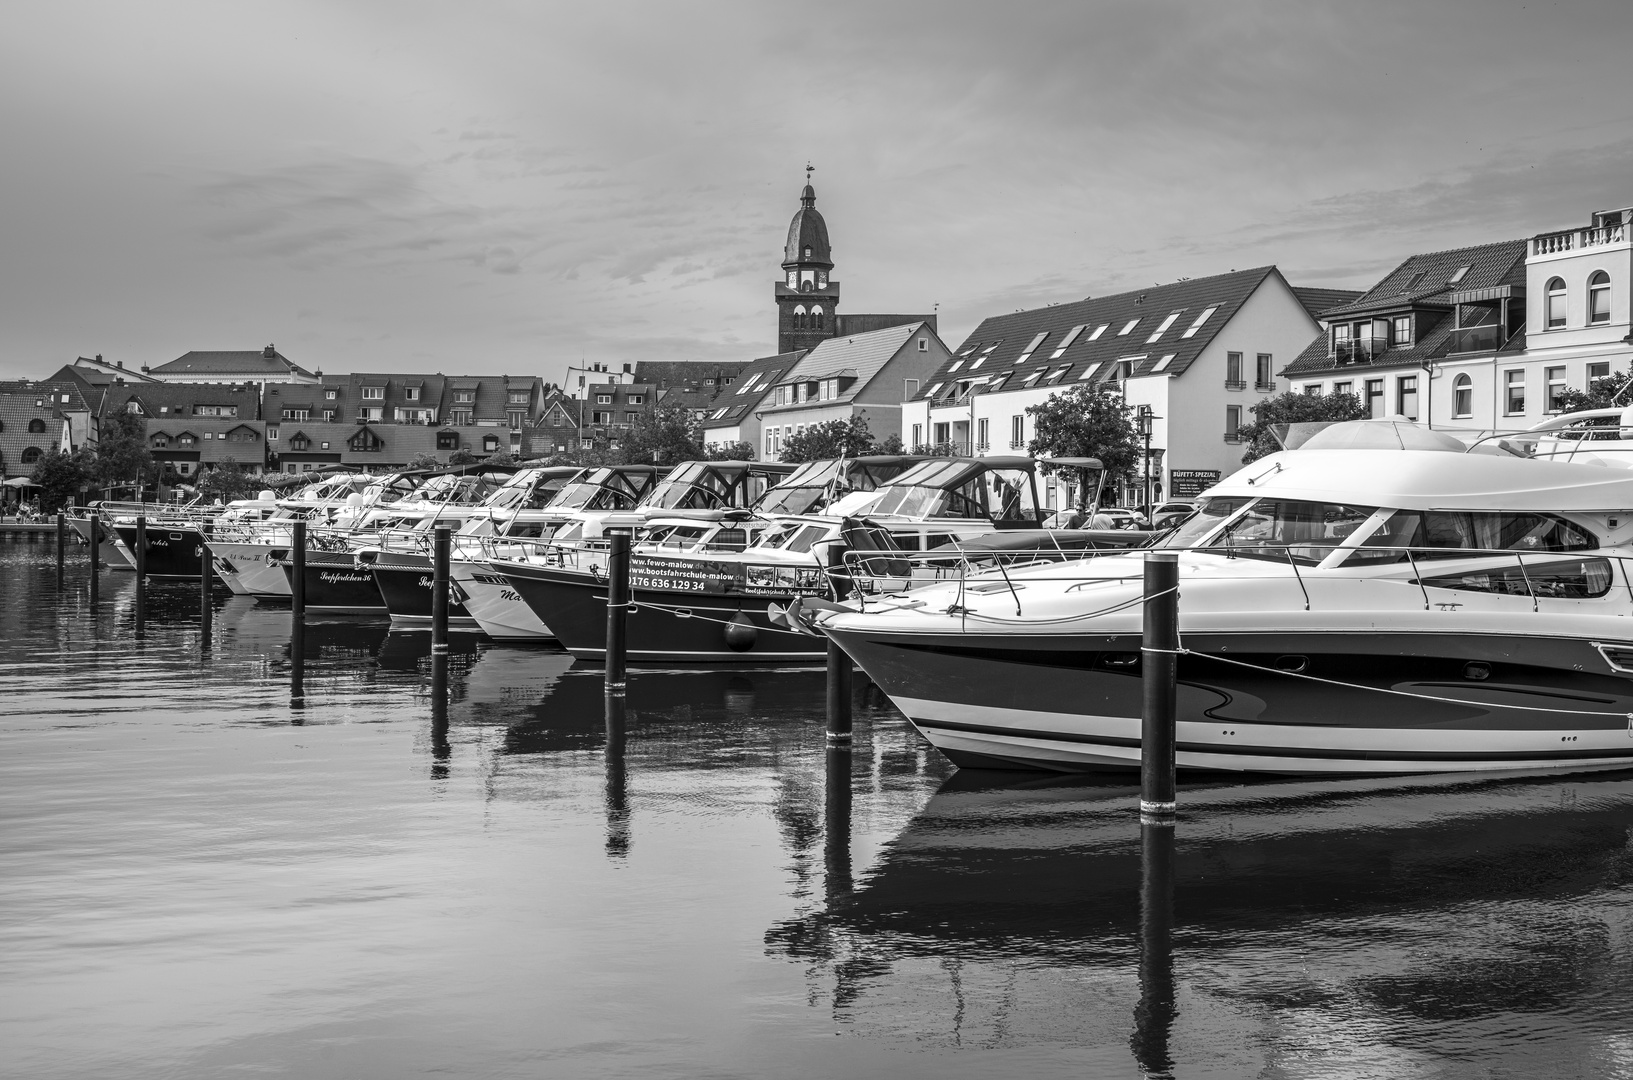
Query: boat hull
(1391, 703)
(496, 605)
(336, 585)
(173, 551)
(666, 625)
(406, 582)
(112, 553)
(251, 569)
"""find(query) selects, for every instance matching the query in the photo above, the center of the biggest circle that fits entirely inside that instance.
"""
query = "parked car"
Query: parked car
(1172, 513)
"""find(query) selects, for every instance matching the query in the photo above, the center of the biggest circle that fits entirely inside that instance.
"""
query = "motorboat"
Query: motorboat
(1351, 607)
(728, 605)
(583, 499)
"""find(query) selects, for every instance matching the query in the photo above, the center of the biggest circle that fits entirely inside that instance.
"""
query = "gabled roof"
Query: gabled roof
(1426, 279)
(666, 373)
(266, 363)
(160, 399)
(858, 358)
(1087, 337)
(17, 408)
(1316, 300)
(753, 382)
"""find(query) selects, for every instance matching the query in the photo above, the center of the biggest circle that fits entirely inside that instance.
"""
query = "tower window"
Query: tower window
(799, 317)
(807, 253)
(1599, 297)
(816, 316)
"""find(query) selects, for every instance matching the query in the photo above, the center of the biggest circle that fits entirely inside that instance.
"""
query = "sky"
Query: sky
(510, 188)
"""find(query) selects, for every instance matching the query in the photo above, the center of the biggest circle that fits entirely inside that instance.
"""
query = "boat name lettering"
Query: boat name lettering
(334, 576)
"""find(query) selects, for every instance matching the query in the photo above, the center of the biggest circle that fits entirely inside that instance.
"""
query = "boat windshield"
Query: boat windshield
(1449, 534)
(1280, 529)
(793, 536)
(1210, 514)
(603, 489)
(693, 486)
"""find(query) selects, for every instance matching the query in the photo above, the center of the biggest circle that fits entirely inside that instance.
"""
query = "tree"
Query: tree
(664, 435)
(737, 451)
(62, 475)
(503, 457)
(122, 456)
(1294, 407)
(831, 439)
(424, 460)
(463, 456)
(1087, 421)
(228, 481)
(939, 449)
(892, 444)
(1602, 394)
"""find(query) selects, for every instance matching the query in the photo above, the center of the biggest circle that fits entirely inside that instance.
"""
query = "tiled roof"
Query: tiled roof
(1422, 278)
(859, 357)
(753, 382)
(1087, 337)
(399, 443)
(215, 439)
(666, 373)
(1434, 330)
(1316, 300)
(251, 362)
(17, 409)
(158, 399)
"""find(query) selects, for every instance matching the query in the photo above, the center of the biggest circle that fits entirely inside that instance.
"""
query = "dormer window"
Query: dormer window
(331, 394)
(1400, 331)
(807, 253)
(411, 393)
(464, 397)
(374, 393)
(518, 397)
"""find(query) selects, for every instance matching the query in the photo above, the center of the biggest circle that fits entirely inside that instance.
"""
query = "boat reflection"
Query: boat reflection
(1434, 901)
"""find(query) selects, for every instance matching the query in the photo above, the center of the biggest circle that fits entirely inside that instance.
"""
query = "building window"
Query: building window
(924, 344)
(515, 419)
(1017, 431)
(1343, 388)
(599, 417)
(1600, 370)
(271, 434)
(324, 445)
(31, 455)
(799, 317)
(447, 440)
(631, 417)
(1263, 380)
(464, 397)
(603, 399)
(1599, 297)
(981, 435)
(518, 397)
(1514, 400)
(411, 393)
(374, 393)
(634, 399)
(36, 426)
(816, 316)
(330, 395)
(1233, 423)
(1555, 380)
(1375, 398)
(296, 414)
(1233, 372)
(1406, 396)
(1190, 331)
(328, 416)
(1462, 397)
(1312, 389)
(299, 443)
(1556, 303)
(918, 436)
(1400, 331)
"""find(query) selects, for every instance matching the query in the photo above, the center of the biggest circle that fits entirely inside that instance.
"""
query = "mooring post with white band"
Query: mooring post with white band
(617, 609)
(439, 589)
(1159, 667)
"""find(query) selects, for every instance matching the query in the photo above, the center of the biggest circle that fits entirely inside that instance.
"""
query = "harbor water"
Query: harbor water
(201, 877)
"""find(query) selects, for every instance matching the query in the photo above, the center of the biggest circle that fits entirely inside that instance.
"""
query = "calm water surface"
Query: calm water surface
(199, 880)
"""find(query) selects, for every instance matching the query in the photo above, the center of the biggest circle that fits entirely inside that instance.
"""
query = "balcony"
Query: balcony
(1233, 436)
(1235, 384)
(1361, 350)
(1577, 239)
(1267, 386)
(1474, 339)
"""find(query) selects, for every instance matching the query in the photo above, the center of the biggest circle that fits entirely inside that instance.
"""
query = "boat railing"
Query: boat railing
(1537, 574)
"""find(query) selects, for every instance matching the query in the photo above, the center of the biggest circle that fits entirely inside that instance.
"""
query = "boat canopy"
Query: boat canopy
(1432, 480)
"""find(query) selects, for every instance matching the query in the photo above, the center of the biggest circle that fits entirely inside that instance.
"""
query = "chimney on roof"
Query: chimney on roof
(144, 369)
(318, 373)
(99, 358)
(269, 353)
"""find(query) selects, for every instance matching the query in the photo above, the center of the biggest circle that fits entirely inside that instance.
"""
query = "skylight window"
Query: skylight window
(998, 381)
(1164, 325)
(1101, 329)
(1066, 343)
(988, 350)
(1414, 281)
(971, 349)
(1163, 363)
(1026, 354)
(1032, 378)
(1088, 372)
(1128, 328)
(1207, 313)
(931, 393)
(1059, 373)
(749, 385)
(1455, 278)
(977, 362)
(956, 365)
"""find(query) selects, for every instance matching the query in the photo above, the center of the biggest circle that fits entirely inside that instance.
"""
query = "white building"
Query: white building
(1199, 353)
(867, 375)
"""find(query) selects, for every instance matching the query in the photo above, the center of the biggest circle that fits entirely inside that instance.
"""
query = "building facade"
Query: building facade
(264, 366)
(1198, 354)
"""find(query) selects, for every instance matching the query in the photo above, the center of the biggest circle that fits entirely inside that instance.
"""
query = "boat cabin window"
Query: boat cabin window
(1291, 529)
(728, 540)
(1557, 579)
(1446, 534)
(1210, 514)
(794, 537)
(693, 487)
(528, 529)
(678, 537)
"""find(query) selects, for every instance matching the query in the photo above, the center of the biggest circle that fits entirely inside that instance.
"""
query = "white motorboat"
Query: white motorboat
(1341, 611)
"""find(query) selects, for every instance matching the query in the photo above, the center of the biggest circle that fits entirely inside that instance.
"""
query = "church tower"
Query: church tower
(807, 298)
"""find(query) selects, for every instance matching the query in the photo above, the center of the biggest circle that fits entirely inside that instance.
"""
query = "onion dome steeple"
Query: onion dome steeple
(807, 245)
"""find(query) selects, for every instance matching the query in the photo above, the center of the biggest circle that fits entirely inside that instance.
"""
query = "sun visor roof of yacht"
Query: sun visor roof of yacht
(1371, 435)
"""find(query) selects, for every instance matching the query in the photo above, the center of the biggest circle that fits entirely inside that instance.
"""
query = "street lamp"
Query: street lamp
(1143, 418)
